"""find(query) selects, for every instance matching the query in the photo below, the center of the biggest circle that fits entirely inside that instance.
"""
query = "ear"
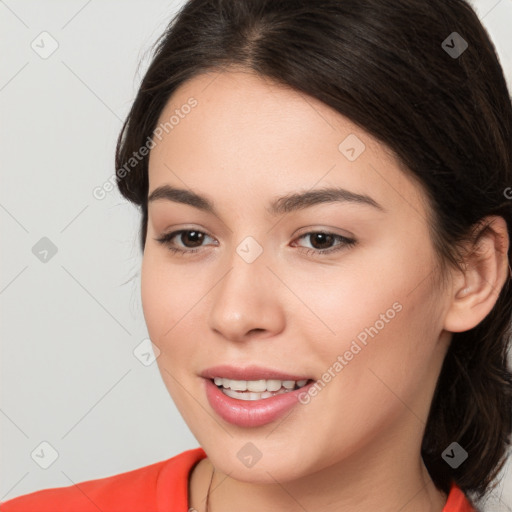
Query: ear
(475, 291)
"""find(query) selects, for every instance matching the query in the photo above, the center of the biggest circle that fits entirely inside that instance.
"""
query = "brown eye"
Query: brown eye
(323, 239)
(196, 238)
(190, 238)
(322, 242)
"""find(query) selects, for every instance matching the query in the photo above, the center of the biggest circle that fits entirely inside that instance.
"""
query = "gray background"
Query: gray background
(70, 323)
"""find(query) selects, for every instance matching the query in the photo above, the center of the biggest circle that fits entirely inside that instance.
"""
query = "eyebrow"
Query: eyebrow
(285, 204)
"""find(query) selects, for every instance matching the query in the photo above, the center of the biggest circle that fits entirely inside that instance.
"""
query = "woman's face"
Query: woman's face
(263, 294)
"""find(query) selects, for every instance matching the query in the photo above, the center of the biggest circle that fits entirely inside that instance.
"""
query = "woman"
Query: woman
(326, 220)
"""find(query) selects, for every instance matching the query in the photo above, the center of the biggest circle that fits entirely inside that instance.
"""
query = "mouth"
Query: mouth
(253, 396)
(251, 390)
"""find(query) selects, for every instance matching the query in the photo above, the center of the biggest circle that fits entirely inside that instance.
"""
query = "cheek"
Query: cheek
(399, 360)
(379, 314)
(153, 296)
(163, 293)
(341, 303)
(163, 309)
(164, 298)
(171, 302)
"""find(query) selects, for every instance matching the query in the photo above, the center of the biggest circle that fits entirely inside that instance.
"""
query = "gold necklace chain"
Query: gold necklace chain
(208, 493)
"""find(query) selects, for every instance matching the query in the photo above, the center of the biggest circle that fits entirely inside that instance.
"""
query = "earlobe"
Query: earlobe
(487, 269)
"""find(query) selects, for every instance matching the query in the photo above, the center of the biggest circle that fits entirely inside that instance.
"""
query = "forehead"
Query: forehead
(246, 133)
(254, 103)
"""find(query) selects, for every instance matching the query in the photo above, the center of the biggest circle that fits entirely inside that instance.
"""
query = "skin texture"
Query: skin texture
(356, 445)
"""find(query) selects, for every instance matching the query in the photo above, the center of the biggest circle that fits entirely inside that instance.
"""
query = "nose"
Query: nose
(244, 303)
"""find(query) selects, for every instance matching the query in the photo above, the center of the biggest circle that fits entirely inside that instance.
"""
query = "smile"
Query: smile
(257, 389)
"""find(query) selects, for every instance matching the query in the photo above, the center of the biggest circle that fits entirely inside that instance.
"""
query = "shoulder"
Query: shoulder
(135, 490)
(457, 501)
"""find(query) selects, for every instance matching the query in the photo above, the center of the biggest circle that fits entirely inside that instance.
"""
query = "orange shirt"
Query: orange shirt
(159, 487)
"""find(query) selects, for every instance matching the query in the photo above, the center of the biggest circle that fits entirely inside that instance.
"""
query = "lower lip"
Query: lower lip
(251, 413)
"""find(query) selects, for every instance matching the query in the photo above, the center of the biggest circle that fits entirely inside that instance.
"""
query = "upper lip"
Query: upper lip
(249, 373)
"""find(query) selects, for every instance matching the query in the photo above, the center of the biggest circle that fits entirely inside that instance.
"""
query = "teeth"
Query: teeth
(258, 386)
(240, 385)
(250, 395)
(273, 385)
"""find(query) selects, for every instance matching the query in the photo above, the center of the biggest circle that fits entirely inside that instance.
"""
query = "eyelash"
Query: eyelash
(345, 242)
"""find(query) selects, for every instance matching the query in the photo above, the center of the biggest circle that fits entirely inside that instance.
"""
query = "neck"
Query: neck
(379, 476)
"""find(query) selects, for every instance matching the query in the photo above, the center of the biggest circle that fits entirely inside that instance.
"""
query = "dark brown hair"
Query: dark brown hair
(386, 65)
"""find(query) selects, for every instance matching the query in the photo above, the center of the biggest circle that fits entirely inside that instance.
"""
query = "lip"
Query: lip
(250, 373)
(251, 413)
